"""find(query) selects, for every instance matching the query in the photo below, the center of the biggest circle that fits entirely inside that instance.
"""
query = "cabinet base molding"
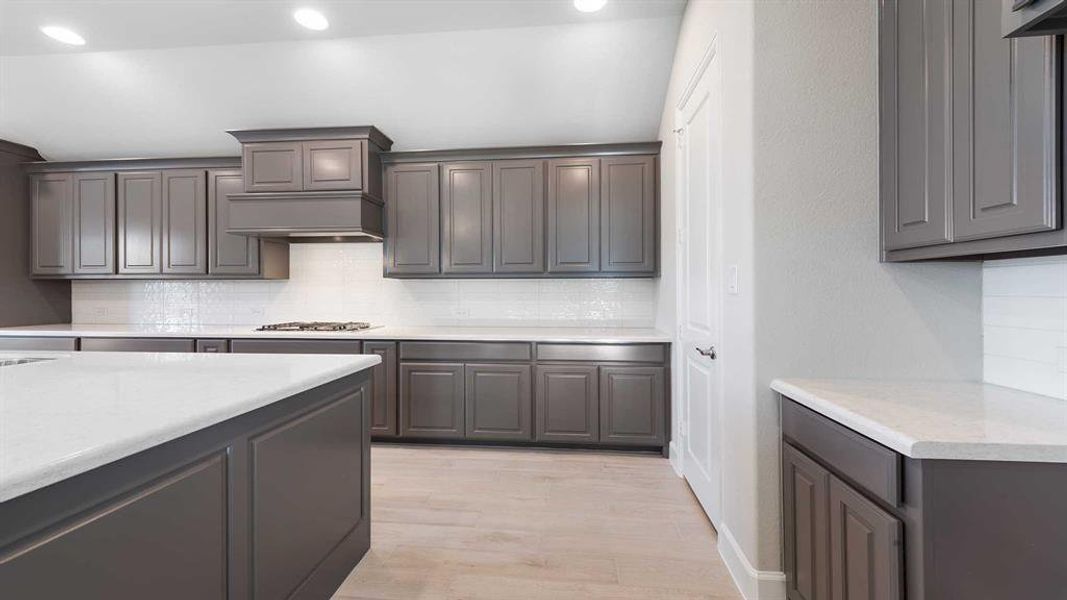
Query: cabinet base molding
(518, 444)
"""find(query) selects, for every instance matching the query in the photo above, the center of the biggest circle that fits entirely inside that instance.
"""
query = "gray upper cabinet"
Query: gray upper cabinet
(915, 131)
(632, 405)
(53, 224)
(865, 547)
(273, 166)
(1005, 109)
(573, 215)
(432, 400)
(140, 223)
(412, 243)
(567, 406)
(628, 214)
(94, 223)
(184, 229)
(228, 254)
(498, 402)
(519, 216)
(466, 217)
(333, 165)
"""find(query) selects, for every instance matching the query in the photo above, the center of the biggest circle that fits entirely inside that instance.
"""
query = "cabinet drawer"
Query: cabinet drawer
(655, 353)
(215, 346)
(867, 463)
(37, 343)
(137, 345)
(465, 351)
(296, 346)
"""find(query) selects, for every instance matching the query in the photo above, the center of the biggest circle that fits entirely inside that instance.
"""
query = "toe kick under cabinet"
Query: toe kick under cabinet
(862, 522)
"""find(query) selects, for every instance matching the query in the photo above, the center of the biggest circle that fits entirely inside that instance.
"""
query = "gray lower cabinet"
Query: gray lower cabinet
(865, 547)
(568, 406)
(213, 346)
(53, 223)
(432, 400)
(412, 242)
(281, 346)
(498, 402)
(383, 416)
(466, 218)
(573, 238)
(806, 528)
(228, 254)
(632, 405)
(519, 216)
(94, 223)
(140, 222)
(138, 345)
(39, 343)
(184, 228)
(628, 214)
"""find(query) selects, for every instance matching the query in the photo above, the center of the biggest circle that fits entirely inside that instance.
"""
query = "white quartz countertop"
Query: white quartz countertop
(79, 411)
(488, 334)
(941, 420)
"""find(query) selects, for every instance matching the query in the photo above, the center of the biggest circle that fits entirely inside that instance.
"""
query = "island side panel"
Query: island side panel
(192, 499)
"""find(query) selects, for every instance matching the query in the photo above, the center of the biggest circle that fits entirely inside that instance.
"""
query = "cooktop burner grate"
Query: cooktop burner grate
(316, 326)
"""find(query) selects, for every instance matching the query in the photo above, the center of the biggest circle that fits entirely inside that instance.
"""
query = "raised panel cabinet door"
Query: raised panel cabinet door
(567, 406)
(413, 218)
(273, 166)
(805, 512)
(466, 217)
(140, 224)
(628, 214)
(865, 547)
(574, 215)
(383, 414)
(915, 72)
(1007, 127)
(333, 165)
(432, 403)
(632, 405)
(519, 216)
(499, 402)
(53, 224)
(94, 223)
(184, 221)
(227, 253)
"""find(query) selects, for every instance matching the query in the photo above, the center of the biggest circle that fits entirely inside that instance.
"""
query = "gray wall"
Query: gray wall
(22, 300)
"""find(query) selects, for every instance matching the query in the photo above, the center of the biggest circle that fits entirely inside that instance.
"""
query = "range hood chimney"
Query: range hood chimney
(310, 185)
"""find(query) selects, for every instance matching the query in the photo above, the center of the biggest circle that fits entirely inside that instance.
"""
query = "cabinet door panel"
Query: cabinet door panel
(383, 389)
(412, 242)
(628, 214)
(631, 405)
(1007, 132)
(94, 223)
(519, 216)
(432, 400)
(865, 549)
(333, 165)
(228, 254)
(567, 404)
(498, 402)
(140, 222)
(915, 72)
(574, 215)
(466, 218)
(273, 166)
(805, 488)
(53, 224)
(184, 222)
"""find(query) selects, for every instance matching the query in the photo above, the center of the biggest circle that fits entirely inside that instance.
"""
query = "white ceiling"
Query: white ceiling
(130, 25)
(491, 83)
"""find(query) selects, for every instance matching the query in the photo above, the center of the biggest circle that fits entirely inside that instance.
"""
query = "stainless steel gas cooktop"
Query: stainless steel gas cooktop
(316, 326)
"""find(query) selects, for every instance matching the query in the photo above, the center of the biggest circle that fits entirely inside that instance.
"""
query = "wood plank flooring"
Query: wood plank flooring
(468, 523)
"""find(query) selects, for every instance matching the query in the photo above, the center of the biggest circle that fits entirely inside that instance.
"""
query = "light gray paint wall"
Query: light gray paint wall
(595, 82)
(825, 306)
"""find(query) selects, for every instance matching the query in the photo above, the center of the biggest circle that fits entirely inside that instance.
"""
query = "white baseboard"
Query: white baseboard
(754, 584)
(675, 457)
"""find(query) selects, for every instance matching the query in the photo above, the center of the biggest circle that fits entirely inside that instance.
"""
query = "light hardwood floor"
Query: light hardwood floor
(498, 524)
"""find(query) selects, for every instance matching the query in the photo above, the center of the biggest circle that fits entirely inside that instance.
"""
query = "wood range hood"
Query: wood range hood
(310, 185)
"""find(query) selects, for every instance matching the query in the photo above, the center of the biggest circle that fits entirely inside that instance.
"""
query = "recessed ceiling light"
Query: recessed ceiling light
(311, 18)
(62, 34)
(589, 5)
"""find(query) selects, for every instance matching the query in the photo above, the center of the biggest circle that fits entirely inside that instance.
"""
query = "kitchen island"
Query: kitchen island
(155, 475)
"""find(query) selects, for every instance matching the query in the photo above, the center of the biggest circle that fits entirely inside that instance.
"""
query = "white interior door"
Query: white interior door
(699, 126)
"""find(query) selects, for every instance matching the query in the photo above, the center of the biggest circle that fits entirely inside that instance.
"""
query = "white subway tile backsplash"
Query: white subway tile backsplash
(344, 282)
(1024, 318)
